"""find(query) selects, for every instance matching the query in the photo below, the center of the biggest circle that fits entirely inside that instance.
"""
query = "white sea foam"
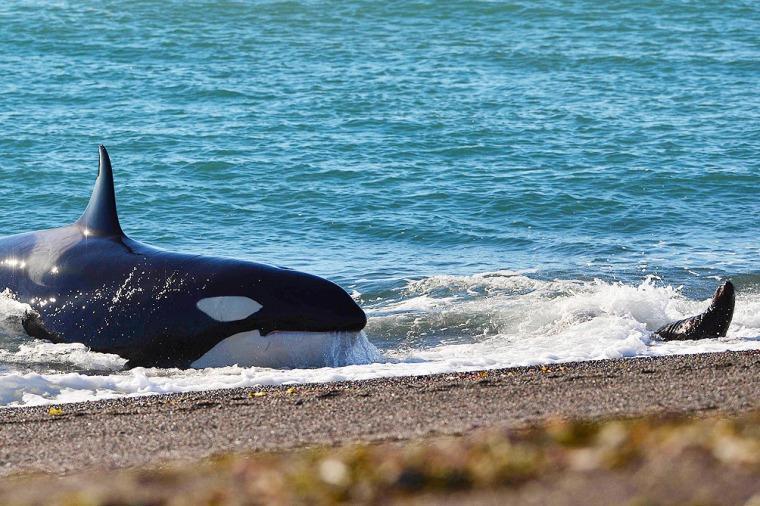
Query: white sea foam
(43, 354)
(435, 325)
(11, 312)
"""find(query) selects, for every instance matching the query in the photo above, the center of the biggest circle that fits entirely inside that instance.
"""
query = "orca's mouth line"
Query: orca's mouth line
(291, 333)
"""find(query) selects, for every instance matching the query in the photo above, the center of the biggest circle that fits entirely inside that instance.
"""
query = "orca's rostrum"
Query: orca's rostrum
(89, 283)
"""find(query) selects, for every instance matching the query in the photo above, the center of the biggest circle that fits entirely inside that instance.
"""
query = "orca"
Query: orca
(89, 283)
(714, 322)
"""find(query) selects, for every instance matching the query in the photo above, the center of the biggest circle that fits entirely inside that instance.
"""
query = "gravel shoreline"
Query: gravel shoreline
(155, 429)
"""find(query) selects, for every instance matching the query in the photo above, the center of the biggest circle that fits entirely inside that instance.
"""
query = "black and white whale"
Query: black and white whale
(712, 323)
(89, 283)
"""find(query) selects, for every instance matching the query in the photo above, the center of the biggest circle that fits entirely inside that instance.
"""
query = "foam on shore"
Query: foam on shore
(433, 325)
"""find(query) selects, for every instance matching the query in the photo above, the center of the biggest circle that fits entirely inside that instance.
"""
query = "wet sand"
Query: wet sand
(155, 429)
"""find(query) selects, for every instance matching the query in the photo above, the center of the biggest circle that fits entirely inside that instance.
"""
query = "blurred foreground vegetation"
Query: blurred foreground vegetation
(712, 460)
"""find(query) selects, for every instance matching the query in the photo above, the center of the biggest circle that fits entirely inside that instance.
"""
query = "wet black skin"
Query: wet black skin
(89, 283)
(712, 323)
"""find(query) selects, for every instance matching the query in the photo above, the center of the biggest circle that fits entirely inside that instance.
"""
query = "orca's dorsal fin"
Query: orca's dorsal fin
(100, 217)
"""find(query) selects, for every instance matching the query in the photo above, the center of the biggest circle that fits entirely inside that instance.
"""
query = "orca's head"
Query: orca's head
(256, 314)
(296, 301)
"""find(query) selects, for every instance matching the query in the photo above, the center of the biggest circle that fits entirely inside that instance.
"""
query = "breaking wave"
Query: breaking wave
(432, 325)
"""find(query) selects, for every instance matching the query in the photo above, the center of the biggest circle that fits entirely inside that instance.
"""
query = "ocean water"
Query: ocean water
(497, 183)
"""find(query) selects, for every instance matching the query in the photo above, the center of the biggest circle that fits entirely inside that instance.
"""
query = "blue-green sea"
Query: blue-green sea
(497, 183)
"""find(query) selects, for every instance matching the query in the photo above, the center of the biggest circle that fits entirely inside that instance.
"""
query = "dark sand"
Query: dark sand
(149, 430)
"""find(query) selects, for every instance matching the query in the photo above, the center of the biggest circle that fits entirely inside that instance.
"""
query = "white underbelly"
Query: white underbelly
(282, 350)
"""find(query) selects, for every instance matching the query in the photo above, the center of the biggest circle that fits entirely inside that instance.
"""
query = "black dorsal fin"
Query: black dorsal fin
(100, 217)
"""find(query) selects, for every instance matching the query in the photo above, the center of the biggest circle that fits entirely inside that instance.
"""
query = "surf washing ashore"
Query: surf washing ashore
(516, 320)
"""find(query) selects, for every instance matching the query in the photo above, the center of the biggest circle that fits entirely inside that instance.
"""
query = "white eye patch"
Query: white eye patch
(228, 309)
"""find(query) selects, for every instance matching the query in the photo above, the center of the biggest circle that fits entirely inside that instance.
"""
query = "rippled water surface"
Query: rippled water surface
(496, 182)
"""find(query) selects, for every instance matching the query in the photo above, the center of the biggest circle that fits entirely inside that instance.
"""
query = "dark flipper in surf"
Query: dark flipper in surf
(712, 323)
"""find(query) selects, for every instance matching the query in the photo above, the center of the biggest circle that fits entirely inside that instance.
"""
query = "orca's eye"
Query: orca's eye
(228, 309)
